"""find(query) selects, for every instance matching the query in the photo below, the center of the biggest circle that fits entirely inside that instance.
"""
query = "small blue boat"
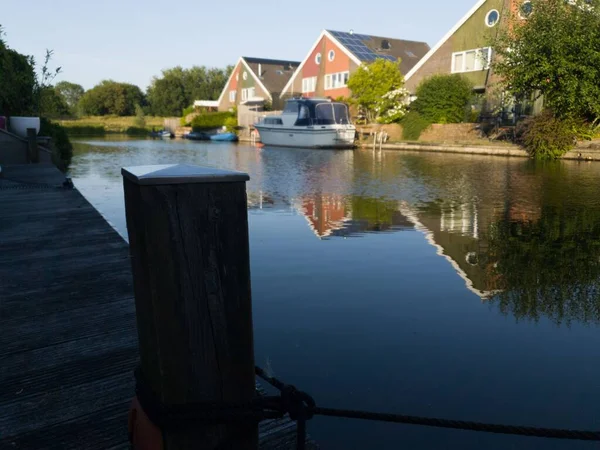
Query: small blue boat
(224, 137)
(198, 136)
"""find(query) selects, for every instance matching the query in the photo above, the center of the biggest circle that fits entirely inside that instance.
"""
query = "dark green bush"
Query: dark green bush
(136, 131)
(62, 149)
(85, 130)
(208, 121)
(444, 99)
(413, 124)
(547, 137)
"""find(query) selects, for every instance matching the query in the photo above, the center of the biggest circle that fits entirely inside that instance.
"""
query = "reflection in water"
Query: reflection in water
(450, 246)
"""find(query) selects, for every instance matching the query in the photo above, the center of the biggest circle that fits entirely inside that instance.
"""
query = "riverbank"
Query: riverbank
(101, 125)
(584, 151)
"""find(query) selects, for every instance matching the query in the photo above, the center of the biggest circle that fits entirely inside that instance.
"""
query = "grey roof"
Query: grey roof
(275, 73)
(368, 48)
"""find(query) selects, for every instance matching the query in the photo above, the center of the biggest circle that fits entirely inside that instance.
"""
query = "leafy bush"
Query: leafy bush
(85, 130)
(231, 123)
(136, 131)
(62, 149)
(140, 117)
(187, 111)
(444, 98)
(547, 137)
(208, 121)
(413, 124)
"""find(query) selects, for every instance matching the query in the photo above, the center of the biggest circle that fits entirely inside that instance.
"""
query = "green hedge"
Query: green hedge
(413, 124)
(62, 149)
(137, 131)
(210, 121)
(85, 130)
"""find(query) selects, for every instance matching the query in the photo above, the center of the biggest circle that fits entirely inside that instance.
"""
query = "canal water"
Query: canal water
(464, 287)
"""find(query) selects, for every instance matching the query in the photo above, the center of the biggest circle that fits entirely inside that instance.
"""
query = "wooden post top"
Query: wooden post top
(180, 174)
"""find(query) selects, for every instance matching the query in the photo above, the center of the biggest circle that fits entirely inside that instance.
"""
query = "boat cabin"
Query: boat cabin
(308, 112)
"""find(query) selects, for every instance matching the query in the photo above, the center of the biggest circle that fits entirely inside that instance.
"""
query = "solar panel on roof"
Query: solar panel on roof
(355, 43)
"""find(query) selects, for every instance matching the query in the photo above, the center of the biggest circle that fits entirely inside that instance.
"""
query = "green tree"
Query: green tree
(17, 81)
(140, 117)
(71, 94)
(443, 98)
(111, 98)
(53, 105)
(554, 53)
(177, 88)
(370, 83)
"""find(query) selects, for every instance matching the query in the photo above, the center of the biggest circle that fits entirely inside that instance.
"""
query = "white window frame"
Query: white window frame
(331, 55)
(248, 93)
(232, 96)
(337, 80)
(478, 65)
(487, 18)
(318, 58)
(309, 85)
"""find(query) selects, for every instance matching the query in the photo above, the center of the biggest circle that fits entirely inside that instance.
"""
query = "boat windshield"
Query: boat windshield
(332, 113)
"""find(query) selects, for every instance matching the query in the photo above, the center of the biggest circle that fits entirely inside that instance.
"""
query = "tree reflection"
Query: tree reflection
(549, 266)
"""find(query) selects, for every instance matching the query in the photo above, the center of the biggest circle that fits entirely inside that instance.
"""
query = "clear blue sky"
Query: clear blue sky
(132, 41)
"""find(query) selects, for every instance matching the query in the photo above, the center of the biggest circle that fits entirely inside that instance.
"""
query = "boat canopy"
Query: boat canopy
(317, 112)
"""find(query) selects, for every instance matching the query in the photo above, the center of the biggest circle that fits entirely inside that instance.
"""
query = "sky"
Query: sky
(133, 41)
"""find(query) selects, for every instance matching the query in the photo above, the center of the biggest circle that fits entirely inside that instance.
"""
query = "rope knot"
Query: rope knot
(298, 404)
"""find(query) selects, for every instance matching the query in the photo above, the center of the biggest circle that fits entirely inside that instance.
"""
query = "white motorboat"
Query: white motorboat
(309, 123)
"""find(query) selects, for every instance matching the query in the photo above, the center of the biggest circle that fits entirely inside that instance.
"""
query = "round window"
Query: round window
(237, 77)
(331, 55)
(245, 76)
(525, 9)
(492, 18)
(318, 58)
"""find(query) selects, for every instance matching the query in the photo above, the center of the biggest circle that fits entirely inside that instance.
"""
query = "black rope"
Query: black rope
(301, 407)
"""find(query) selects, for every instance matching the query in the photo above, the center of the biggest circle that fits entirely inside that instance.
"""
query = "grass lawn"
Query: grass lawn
(98, 125)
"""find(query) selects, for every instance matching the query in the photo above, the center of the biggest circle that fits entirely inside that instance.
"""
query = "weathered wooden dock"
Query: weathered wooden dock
(68, 341)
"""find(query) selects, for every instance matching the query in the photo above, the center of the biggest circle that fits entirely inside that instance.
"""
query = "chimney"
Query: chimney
(259, 70)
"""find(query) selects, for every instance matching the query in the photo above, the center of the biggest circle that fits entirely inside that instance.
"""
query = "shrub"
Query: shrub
(136, 131)
(547, 137)
(208, 121)
(140, 117)
(85, 130)
(444, 98)
(62, 149)
(413, 124)
(231, 123)
(187, 111)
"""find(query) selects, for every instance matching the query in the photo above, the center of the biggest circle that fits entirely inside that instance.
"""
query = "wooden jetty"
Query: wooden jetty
(68, 341)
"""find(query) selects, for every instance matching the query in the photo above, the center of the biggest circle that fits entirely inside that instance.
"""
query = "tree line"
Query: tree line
(168, 94)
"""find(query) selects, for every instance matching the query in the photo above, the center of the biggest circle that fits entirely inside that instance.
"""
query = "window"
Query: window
(291, 107)
(331, 55)
(237, 77)
(525, 9)
(232, 95)
(245, 76)
(318, 59)
(309, 85)
(492, 18)
(471, 60)
(247, 94)
(336, 80)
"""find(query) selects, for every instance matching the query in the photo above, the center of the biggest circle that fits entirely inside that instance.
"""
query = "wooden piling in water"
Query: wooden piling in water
(188, 238)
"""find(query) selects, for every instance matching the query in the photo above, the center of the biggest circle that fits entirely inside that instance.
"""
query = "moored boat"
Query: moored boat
(224, 137)
(197, 136)
(309, 123)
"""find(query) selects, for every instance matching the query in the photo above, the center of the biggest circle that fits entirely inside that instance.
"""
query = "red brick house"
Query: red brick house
(335, 55)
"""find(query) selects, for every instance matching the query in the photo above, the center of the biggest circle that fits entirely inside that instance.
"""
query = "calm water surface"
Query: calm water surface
(457, 286)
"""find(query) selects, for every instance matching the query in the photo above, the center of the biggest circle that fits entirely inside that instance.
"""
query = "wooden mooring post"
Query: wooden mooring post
(33, 151)
(188, 238)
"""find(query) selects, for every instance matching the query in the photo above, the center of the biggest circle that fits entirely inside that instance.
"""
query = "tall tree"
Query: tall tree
(71, 93)
(377, 88)
(53, 105)
(554, 53)
(177, 88)
(111, 98)
(17, 81)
